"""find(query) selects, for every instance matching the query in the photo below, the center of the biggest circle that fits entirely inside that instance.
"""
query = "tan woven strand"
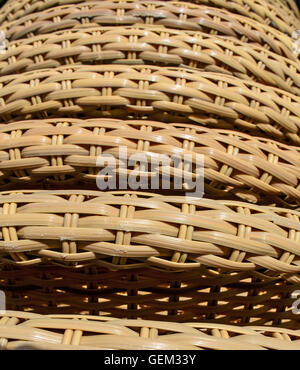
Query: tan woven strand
(290, 4)
(64, 153)
(29, 331)
(159, 93)
(147, 229)
(178, 15)
(275, 14)
(151, 44)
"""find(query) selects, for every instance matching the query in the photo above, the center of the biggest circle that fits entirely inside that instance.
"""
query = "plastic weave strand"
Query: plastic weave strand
(158, 93)
(132, 230)
(169, 14)
(28, 331)
(64, 152)
(198, 295)
(152, 45)
(270, 13)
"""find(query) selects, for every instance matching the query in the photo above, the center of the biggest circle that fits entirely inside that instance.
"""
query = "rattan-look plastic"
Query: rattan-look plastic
(27, 331)
(177, 15)
(156, 93)
(152, 45)
(131, 230)
(64, 152)
(198, 295)
(273, 14)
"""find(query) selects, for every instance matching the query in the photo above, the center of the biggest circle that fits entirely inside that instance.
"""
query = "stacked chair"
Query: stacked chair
(83, 268)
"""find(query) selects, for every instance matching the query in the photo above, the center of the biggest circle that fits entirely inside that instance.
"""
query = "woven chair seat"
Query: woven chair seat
(28, 331)
(198, 295)
(274, 14)
(123, 230)
(64, 152)
(152, 45)
(158, 93)
(169, 14)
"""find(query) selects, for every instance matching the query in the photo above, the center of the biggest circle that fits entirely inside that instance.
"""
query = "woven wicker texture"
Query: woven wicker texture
(79, 80)
(132, 230)
(290, 4)
(279, 17)
(64, 152)
(19, 330)
(177, 15)
(158, 93)
(276, 13)
(202, 295)
(152, 45)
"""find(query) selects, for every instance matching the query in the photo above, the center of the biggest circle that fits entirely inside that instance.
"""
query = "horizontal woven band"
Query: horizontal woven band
(148, 92)
(66, 152)
(144, 44)
(28, 331)
(177, 15)
(199, 295)
(272, 13)
(130, 230)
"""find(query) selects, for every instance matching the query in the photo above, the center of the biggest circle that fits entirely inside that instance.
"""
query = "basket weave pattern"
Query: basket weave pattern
(31, 331)
(198, 295)
(277, 16)
(152, 45)
(134, 269)
(178, 15)
(135, 230)
(65, 151)
(158, 93)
